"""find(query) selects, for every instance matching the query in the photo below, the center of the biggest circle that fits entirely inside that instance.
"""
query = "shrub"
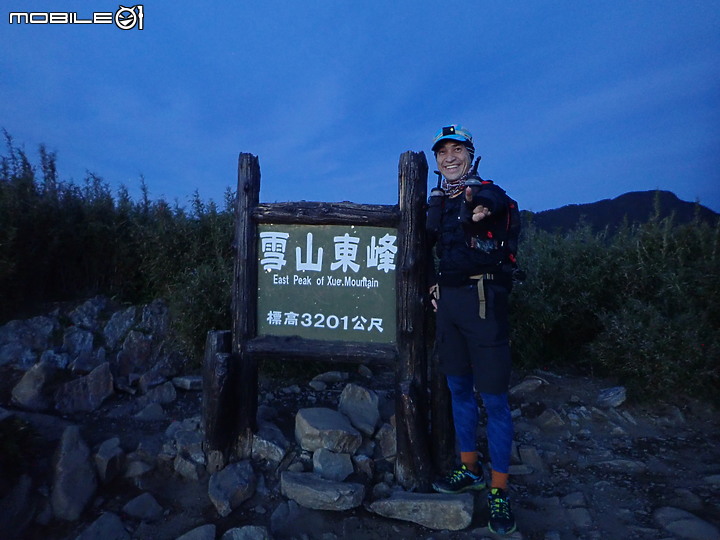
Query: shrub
(641, 305)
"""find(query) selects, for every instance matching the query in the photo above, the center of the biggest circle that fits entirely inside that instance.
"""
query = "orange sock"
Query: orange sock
(470, 460)
(499, 480)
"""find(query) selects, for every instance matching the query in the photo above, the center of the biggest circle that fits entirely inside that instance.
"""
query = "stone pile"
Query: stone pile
(583, 466)
(74, 362)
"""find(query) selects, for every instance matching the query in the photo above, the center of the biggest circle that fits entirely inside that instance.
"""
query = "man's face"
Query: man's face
(453, 159)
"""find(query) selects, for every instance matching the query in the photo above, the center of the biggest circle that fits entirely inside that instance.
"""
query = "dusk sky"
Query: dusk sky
(568, 101)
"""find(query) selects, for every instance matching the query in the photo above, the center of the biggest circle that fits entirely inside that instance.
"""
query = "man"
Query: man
(467, 225)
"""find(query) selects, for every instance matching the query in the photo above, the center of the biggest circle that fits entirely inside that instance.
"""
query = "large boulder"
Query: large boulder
(85, 393)
(361, 406)
(74, 482)
(311, 491)
(320, 427)
(33, 391)
(431, 510)
(232, 486)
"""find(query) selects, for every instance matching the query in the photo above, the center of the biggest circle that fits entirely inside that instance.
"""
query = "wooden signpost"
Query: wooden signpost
(336, 282)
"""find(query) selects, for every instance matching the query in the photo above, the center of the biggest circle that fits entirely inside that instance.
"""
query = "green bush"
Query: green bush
(63, 242)
(641, 305)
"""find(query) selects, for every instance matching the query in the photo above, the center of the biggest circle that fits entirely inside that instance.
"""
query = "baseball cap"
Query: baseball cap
(453, 132)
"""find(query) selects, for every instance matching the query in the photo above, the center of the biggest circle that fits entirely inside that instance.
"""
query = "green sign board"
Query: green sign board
(327, 282)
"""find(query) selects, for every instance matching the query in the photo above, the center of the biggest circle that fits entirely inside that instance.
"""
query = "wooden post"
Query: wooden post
(245, 300)
(218, 407)
(412, 465)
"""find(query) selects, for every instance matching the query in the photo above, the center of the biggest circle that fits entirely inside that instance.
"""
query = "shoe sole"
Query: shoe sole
(514, 528)
(476, 487)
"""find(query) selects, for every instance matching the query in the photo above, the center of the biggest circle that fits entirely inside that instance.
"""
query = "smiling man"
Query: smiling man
(468, 225)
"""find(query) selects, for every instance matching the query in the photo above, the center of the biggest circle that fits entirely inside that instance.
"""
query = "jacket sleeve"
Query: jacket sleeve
(491, 197)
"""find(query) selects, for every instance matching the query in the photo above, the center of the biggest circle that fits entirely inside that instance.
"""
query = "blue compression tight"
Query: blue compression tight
(465, 418)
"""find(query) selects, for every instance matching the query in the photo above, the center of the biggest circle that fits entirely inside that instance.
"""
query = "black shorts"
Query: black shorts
(468, 343)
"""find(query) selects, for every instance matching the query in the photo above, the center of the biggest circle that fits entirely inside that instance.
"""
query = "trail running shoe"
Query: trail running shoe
(460, 480)
(501, 519)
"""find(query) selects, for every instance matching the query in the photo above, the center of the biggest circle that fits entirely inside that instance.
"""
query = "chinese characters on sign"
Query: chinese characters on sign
(327, 282)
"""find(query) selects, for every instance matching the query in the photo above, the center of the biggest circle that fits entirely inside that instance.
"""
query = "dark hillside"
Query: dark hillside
(633, 207)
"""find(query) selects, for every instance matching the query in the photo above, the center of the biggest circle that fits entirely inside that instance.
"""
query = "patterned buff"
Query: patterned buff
(454, 188)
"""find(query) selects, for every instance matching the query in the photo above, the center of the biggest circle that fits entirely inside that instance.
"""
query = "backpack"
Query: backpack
(505, 233)
(513, 226)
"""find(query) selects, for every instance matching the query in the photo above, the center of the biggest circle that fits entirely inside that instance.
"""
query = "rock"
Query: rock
(685, 499)
(188, 382)
(232, 486)
(186, 467)
(386, 441)
(16, 355)
(611, 397)
(204, 532)
(673, 418)
(118, 326)
(32, 391)
(86, 314)
(521, 470)
(530, 457)
(311, 491)
(365, 371)
(574, 500)
(151, 413)
(623, 465)
(360, 405)
(138, 468)
(283, 518)
(713, 479)
(381, 490)
(108, 526)
(318, 386)
(21, 341)
(167, 366)
(684, 524)
(190, 444)
(149, 380)
(85, 393)
(74, 482)
(434, 511)
(321, 427)
(549, 419)
(269, 443)
(163, 394)
(332, 466)
(580, 517)
(364, 465)
(56, 359)
(135, 355)
(144, 507)
(248, 532)
(40, 331)
(155, 318)
(109, 460)
(527, 386)
(79, 345)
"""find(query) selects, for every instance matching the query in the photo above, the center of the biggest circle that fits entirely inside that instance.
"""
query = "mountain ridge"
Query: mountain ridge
(632, 207)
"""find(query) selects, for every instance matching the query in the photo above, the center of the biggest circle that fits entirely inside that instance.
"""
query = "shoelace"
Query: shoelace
(499, 506)
(456, 475)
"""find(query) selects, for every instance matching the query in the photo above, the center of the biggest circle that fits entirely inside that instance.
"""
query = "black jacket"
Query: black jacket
(464, 248)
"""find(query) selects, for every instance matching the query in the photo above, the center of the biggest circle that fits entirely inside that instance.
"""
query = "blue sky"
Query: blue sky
(569, 101)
